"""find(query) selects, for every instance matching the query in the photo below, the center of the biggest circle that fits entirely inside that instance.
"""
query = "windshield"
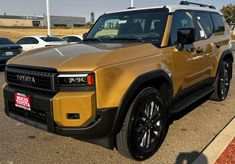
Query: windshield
(5, 41)
(52, 39)
(141, 26)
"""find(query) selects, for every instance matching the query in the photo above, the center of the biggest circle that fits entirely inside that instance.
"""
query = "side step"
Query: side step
(191, 99)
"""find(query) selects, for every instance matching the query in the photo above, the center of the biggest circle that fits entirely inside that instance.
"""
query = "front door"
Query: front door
(188, 66)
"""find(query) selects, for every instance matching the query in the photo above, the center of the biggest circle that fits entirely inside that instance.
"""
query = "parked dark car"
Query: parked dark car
(8, 50)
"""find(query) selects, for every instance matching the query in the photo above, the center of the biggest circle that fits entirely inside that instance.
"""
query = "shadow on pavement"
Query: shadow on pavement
(188, 158)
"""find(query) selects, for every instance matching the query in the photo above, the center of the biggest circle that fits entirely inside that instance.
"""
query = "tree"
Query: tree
(89, 24)
(229, 13)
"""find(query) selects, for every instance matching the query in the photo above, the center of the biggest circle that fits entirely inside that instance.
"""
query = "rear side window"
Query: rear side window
(218, 22)
(182, 19)
(205, 25)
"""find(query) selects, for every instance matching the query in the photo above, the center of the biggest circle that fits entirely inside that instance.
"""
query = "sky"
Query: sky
(84, 7)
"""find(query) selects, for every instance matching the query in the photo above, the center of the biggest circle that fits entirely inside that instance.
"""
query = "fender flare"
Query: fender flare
(133, 90)
(226, 53)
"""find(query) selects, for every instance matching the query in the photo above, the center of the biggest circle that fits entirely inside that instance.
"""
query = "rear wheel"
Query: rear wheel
(144, 127)
(222, 83)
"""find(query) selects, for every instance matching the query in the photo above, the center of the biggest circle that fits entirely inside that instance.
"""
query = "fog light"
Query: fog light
(73, 116)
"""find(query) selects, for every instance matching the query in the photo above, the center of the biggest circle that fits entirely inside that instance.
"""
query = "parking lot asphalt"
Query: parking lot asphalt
(190, 132)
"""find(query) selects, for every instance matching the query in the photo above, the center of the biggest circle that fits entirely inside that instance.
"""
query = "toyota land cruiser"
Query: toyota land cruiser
(120, 87)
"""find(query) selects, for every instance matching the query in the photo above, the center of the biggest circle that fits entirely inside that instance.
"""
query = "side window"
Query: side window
(28, 40)
(33, 41)
(205, 25)
(66, 39)
(22, 41)
(72, 39)
(218, 23)
(182, 19)
(75, 39)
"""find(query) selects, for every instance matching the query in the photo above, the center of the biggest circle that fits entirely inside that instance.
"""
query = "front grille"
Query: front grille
(31, 79)
(33, 114)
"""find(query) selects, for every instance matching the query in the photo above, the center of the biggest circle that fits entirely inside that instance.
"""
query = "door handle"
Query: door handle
(199, 50)
(218, 45)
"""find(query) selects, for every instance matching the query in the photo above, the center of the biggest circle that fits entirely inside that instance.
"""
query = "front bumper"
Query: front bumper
(42, 116)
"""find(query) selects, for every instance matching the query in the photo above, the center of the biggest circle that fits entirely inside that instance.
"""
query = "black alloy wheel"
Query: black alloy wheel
(222, 83)
(145, 126)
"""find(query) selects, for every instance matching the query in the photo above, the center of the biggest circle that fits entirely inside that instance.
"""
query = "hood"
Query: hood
(82, 57)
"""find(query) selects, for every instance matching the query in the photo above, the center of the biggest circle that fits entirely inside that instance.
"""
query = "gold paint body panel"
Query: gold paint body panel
(82, 103)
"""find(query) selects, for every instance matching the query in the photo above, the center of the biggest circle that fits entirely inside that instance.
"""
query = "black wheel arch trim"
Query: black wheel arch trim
(133, 90)
(226, 53)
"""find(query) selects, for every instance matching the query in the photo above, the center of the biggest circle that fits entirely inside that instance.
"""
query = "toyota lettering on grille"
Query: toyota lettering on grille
(27, 79)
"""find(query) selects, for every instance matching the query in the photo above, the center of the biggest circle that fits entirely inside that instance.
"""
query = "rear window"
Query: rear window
(5, 41)
(52, 39)
(218, 22)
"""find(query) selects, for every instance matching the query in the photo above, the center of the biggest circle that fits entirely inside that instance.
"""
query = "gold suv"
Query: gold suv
(121, 85)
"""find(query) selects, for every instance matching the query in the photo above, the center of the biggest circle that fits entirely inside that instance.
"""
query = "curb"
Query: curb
(213, 151)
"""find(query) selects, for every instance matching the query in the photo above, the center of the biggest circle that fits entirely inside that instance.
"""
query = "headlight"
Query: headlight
(76, 80)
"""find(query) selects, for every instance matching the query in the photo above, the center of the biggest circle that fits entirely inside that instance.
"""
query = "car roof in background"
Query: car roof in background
(38, 36)
(6, 40)
(79, 36)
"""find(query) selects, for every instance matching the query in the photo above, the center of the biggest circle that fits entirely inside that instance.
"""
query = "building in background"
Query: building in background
(65, 21)
(20, 21)
(40, 21)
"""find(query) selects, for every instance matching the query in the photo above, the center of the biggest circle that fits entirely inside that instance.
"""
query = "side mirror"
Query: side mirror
(84, 35)
(185, 37)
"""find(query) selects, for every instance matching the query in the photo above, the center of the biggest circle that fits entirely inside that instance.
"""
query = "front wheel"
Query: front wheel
(222, 83)
(144, 127)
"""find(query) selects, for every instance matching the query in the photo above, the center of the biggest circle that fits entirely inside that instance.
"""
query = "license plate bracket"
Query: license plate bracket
(22, 101)
(9, 53)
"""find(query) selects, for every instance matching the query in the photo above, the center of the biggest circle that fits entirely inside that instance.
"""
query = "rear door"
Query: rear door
(220, 42)
(204, 40)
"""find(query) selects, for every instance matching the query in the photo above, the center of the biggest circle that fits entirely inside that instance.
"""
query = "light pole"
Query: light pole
(48, 18)
(132, 3)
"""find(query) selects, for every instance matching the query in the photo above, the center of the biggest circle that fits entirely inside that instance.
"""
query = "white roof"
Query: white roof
(172, 8)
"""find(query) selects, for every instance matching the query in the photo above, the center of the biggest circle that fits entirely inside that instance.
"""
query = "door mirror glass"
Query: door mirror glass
(185, 36)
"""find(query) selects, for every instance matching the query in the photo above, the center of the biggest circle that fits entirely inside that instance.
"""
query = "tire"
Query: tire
(144, 127)
(222, 83)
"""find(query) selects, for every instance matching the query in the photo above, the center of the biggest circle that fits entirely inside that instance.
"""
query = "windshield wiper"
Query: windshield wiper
(128, 39)
(92, 40)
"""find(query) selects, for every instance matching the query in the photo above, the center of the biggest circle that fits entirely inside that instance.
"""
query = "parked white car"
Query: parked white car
(73, 38)
(34, 42)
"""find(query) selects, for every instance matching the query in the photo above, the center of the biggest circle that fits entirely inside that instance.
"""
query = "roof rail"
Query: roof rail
(198, 4)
